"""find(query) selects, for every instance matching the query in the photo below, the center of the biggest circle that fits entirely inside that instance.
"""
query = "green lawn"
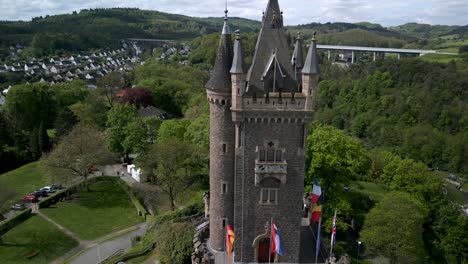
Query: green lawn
(102, 210)
(442, 58)
(375, 191)
(35, 234)
(25, 179)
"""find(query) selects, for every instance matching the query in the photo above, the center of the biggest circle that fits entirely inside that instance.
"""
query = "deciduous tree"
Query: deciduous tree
(78, 151)
(394, 229)
(334, 157)
(138, 96)
(108, 86)
(118, 119)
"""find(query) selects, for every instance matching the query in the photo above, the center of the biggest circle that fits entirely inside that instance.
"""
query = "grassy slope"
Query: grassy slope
(26, 179)
(34, 234)
(102, 210)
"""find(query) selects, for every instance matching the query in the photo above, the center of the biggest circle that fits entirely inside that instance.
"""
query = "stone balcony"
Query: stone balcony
(277, 170)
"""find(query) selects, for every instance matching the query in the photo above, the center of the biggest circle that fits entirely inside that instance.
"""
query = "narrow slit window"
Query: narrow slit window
(224, 188)
(224, 148)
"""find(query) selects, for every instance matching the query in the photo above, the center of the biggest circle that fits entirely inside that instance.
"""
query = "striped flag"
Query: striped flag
(230, 237)
(276, 246)
(316, 213)
(333, 237)
(316, 191)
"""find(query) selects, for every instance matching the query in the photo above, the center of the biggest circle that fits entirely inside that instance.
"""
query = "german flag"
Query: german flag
(230, 237)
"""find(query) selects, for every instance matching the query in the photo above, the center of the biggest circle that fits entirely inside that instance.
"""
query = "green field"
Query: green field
(34, 235)
(442, 58)
(103, 209)
(24, 180)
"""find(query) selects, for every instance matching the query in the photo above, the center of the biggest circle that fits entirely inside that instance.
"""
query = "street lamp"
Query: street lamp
(358, 248)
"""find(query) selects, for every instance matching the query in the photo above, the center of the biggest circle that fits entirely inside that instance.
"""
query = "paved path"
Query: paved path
(102, 249)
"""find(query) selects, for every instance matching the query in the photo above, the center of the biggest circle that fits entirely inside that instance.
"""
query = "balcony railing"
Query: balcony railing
(277, 170)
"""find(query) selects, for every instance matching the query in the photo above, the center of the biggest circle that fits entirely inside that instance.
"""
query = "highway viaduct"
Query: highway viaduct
(377, 52)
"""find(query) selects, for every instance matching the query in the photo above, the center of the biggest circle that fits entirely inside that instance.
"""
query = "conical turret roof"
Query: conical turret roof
(297, 59)
(311, 65)
(220, 80)
(238, 61)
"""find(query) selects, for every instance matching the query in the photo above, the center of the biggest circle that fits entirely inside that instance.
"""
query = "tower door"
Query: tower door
(264, 250)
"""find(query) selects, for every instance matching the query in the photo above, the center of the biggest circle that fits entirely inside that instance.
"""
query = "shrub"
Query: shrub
(18, 219)
(463, 49)
(174, 243)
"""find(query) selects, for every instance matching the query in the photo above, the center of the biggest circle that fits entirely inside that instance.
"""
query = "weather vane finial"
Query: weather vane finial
(226, 10)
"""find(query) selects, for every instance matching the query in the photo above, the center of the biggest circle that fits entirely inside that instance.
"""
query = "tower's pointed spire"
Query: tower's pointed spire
(271, 37)
(297, 59)
(226, 29)
(311, 65)
(220, 80)
(238, 61)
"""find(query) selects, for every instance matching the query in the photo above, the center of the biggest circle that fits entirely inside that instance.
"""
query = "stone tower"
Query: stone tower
(258, 133)
(221, 142)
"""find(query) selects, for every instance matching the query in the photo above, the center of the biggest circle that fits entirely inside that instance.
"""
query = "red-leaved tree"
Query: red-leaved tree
(138, 96)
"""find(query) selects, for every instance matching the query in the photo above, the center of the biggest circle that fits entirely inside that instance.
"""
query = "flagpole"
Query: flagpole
(333, 236)
(271, 237)
(318, 240)
(317, 247)
(225, 245)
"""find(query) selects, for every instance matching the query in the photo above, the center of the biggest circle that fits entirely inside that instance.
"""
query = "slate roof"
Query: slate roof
(238, 61)
(272, 39)
(297, 59)
(220, 80)
(311, 65)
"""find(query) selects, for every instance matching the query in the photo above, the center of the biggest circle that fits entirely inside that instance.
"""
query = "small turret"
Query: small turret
(297, 59)
(311, 65)
(310, 75)
(238, 75)
(238, 61)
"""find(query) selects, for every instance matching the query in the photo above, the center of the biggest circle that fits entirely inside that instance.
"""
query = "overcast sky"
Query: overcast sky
(385, 12)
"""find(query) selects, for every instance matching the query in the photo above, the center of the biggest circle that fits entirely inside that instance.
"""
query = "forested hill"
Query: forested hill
(413, 108)
(425, 30)
(100, 28)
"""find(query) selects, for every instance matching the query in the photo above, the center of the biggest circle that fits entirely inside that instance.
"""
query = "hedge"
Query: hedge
(16, 220)
(136, 202)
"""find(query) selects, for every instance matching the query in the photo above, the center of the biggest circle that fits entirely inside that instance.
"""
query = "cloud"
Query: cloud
(388, 13)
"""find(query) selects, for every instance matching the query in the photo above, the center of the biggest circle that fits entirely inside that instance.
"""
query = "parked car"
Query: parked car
(48, 189)
(40, 193)
(18, 206)
(30, 199)
(36, 194)
(56, 186)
